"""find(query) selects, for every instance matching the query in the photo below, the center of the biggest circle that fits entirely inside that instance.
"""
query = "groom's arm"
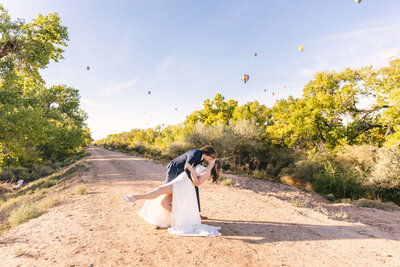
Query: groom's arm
(193, 159)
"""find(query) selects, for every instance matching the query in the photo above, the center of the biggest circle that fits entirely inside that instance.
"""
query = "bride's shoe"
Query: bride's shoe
(130, 199)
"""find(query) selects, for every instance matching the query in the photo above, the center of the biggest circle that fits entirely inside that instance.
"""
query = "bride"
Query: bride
(174, 204)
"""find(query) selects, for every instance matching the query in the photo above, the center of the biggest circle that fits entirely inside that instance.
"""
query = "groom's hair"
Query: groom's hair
(209, 151)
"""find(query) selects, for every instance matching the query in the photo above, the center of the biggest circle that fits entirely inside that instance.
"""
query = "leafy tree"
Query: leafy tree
(329, 114)
(214, 111)
(36, 122)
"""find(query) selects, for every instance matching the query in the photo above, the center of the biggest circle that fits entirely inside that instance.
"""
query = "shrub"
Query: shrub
(23, 214)
(49, 202)
(305, 169)
(7, 175)
(377, 204)
(46, 183)
(342, 183)
(137, 147)
(361, 156)
(44, 171)
(240, 144)
(386, 173)
(80, 190)
(226, 181)
(175, 149)
(279, 159)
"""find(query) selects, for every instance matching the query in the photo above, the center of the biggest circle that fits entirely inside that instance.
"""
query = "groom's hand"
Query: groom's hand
(189, 166)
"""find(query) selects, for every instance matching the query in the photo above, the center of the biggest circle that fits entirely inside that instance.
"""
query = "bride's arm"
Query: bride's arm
(195, 180)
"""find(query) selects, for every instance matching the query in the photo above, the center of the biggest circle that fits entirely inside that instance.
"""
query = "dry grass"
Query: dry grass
(19, 252)
(79, 190)
(23, 213)
(226, 181)
(6, 187)
(300, 203)
(289, 180)
(377, 204)
(341, 214)
(49, 202)
(18, 206)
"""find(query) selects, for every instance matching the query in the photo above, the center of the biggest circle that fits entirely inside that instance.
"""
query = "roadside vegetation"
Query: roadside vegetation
(340, 139)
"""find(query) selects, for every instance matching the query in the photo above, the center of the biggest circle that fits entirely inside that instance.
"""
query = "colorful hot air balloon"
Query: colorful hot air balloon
(358, 1)
(87, 68)
(245, 78)
(301, 48)
(255, 54)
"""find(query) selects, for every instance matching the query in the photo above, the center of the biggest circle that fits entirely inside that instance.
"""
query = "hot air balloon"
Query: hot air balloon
(87, 68)
(358, 1)
(301, 48)
(255, 54)
(245, 78)
(273, 93)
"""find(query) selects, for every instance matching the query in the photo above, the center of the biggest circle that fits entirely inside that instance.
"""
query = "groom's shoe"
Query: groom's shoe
(203, 217)
(130, 199)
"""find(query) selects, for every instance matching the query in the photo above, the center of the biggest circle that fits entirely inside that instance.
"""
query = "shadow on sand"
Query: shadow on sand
(260, 232)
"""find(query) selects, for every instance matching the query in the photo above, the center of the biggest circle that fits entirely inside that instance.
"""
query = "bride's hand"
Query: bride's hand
(188, 166)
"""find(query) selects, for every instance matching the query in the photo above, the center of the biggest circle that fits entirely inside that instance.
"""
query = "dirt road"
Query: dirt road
(263, 224)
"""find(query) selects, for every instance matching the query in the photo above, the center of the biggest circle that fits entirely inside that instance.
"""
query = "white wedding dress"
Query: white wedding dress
(185, 217)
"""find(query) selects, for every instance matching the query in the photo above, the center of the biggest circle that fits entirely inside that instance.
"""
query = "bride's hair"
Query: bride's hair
(215, 171)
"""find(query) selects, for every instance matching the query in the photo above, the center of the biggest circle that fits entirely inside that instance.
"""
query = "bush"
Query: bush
(240, 145)
(137, 147)
(23, 214)
(13, 174)
(305, 169)
(80, 190)
(7, 175)
(361, 156)
(386, 173)
(175, 149)
(341, 182)
(44, 171)
(279, 159)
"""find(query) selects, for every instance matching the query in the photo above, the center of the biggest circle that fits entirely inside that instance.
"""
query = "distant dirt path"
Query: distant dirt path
(260, 226)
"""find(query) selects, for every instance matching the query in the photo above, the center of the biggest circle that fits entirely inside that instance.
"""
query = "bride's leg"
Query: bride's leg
(164, 189)
(167, 202)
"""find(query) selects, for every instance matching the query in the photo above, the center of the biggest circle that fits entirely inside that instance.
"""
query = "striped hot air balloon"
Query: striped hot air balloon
(245, 78)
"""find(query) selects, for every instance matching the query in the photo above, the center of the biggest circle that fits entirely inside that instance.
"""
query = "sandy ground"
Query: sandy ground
(261, 226)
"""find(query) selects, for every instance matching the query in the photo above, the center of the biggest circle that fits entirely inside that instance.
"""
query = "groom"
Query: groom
(193, 157)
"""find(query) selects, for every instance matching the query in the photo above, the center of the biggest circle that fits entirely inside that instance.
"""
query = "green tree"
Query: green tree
(214, 111)
(329, 113)
(35, 122)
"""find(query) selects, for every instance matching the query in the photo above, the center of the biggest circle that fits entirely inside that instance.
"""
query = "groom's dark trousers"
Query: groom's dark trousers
(177, 166)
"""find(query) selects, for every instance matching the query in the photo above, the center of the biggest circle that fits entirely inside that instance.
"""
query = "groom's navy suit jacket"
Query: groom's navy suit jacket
(177, 166)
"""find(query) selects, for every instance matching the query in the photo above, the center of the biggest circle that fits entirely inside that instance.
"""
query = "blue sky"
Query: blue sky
(187, 51)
